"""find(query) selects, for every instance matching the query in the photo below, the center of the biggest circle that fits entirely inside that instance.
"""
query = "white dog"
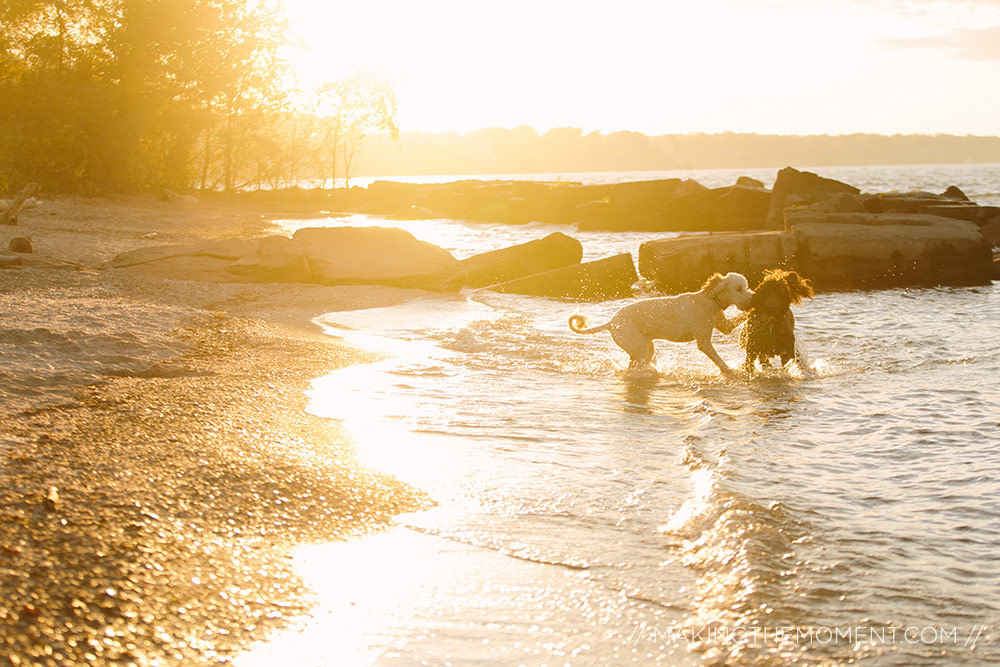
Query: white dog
(681, 318)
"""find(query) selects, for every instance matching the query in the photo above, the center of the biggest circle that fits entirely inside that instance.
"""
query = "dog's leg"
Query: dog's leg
(705, 345)
(639, 348)
(726, 326)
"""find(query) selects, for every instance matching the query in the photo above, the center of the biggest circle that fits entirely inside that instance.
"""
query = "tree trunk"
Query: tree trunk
(349, 153)
(227, 154)
(208, 153)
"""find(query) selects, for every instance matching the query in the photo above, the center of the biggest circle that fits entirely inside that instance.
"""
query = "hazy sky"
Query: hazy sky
(658, 67)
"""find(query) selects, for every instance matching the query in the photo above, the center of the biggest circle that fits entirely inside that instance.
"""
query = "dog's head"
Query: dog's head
(729, 289)
(780, 289)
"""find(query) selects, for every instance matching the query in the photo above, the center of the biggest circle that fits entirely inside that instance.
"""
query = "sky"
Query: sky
(667, 66)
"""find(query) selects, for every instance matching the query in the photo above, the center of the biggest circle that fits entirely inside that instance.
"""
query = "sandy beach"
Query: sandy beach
(151, 489)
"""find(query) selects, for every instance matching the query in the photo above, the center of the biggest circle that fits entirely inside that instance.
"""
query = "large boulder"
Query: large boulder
(606, 278)
(392, 198)
(636, 203)
(203, 262)
(373, 255)
(862, 251)
(275, 259)
(325, 255)
(227, 250)
(625, 206)
(954, 192)
(595, 215)
(683, 263)
(563, 201)
(489, 268)
(991, 230)
(733, 208)
(835, 250)
(807, 188)
(689, 186)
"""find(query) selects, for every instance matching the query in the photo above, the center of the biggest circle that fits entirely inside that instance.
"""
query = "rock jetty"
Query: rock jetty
(829, 231)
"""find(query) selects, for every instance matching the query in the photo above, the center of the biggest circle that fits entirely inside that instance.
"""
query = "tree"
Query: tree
(350, 109)
(113, 94)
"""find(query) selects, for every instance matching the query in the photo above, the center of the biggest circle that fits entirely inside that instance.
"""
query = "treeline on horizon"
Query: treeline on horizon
(567, 150)
(104, 96)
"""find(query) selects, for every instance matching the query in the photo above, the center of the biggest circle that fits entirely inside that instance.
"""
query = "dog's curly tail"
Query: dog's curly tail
(578, 323)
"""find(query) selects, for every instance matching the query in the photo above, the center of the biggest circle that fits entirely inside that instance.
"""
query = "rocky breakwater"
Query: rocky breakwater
(656, 205)
(549, 266)
(841, 239)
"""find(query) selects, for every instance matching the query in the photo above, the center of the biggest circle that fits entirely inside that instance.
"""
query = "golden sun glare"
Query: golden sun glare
(769, 66)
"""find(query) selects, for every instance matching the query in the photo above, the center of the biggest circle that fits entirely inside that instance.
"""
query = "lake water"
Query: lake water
(585, 516)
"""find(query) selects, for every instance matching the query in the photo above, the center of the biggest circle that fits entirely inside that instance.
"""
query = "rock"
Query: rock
(606, 278)
(373, 255)
(636, 203)
(21, 244)
(901, 202)
(469, 200)
(276, 259)
(683, 263)
(857, 250)
(393, 198)
(51, 501)
(742, 204)
(954, 192)
(839, 203)
(688, 187)
(721, 209)
(489, 268)
(196, 267)
(834, 250)
(990, 229)
(969, 212)
(502, 209)
(559, 204)
(594, 215)
(791, 181)
(325, 255)
(749, 182)
(227, 250)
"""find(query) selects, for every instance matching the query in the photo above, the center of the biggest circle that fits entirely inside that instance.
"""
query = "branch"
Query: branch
(9, 216)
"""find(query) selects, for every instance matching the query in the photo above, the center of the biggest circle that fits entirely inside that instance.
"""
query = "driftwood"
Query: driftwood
(9, 216)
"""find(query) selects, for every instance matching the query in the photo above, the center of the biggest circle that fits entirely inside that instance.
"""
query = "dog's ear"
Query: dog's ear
(798, 287)
(713, 284)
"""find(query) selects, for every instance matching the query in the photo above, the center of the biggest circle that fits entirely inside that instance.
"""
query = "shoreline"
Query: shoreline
(183, 482)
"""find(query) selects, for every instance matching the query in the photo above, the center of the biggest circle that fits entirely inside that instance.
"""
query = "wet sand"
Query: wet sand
(147, 517)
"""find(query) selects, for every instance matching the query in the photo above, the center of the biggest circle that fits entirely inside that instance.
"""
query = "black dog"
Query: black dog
(770, 326)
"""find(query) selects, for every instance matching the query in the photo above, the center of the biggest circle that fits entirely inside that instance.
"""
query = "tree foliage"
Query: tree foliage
(105, 95)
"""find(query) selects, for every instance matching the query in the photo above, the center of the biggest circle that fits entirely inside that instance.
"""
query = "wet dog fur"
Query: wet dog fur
(769, 329)
(685, 317)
